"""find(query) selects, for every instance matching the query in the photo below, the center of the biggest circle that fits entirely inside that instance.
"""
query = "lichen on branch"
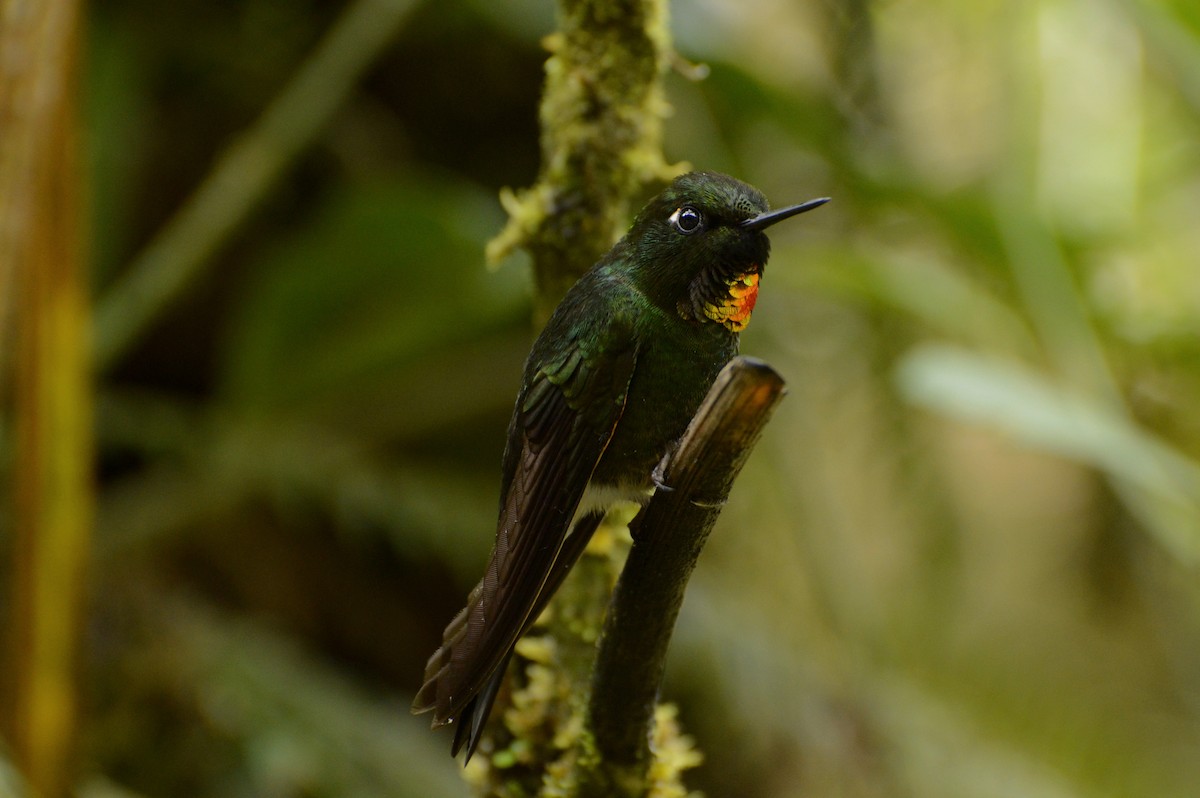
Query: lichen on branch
(601, 121)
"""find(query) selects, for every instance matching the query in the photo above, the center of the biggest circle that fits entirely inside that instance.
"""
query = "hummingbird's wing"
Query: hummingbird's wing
(468, 728)
(563, 421)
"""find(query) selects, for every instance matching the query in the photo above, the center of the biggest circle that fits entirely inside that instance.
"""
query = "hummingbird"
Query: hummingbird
(608, 388)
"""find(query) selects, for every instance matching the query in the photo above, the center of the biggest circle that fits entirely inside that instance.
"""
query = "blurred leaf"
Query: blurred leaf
(941, 751)
(1172, 34)
(387, 272)
(11, 783)
(117, 107)
(1090, 141)
(305, 728)
(942, 298)
(525, 20)
(742, 106)
(100, 787)
(206, 468)
(1016, 401)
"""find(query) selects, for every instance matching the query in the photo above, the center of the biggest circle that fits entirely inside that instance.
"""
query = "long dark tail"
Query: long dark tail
(471, 720)
(469, 727)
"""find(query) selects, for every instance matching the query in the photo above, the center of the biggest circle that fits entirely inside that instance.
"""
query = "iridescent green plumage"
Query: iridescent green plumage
(609, 386)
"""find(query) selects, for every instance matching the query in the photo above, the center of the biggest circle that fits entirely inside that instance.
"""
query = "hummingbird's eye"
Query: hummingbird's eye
(687, 220)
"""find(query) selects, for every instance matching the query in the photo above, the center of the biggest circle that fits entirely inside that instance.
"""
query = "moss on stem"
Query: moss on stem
(601, 122)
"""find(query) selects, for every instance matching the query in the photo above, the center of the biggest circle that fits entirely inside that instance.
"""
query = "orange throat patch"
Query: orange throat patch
(734, 309)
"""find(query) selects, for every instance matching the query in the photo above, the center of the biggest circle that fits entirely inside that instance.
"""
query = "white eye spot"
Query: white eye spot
(687, 220)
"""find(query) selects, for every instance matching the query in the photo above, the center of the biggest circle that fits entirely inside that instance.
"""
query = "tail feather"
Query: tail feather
(444, 672)
(469, 726)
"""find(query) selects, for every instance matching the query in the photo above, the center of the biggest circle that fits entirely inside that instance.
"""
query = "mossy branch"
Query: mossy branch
(601, 121)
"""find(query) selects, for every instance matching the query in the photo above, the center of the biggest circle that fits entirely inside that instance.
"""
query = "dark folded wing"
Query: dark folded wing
(562, 423)
(468, 728)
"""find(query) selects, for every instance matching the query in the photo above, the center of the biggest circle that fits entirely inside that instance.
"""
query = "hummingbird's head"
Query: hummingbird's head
(699, 247)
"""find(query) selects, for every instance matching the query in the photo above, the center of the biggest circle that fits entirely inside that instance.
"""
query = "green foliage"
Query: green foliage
(366, 289)
(11, 783)
(1045, 417)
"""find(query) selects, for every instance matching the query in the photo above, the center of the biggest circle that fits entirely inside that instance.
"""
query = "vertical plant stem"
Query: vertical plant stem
(53, 503)
(601, 121)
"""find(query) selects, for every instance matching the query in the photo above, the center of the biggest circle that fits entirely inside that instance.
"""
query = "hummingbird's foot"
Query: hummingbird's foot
(707, 504)
(657, 476)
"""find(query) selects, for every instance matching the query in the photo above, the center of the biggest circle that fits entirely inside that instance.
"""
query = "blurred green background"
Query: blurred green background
(962, 561)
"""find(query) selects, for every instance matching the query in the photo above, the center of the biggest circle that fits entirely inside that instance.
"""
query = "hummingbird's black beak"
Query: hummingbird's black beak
(765, 220)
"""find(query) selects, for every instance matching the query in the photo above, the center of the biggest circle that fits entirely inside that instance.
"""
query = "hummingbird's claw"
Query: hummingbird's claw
(657, 476)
